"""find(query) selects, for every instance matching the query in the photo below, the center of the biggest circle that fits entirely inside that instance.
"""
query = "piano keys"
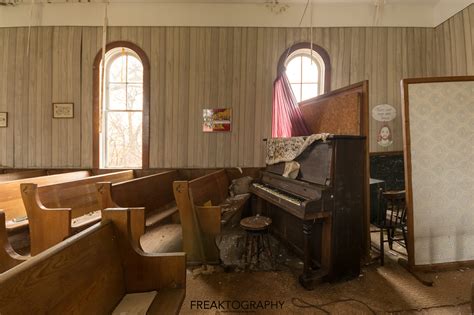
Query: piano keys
(324, 202)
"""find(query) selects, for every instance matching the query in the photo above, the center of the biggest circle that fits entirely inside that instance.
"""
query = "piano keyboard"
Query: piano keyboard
(291, 199)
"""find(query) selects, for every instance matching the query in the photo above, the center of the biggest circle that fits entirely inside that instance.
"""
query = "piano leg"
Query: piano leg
(309, 278)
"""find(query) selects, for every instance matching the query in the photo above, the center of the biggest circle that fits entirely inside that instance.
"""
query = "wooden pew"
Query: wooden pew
(90, 273)
(8, 257)
(204, 205)
(23, 174)
(11, 201)
(60, 210)
(153, 192)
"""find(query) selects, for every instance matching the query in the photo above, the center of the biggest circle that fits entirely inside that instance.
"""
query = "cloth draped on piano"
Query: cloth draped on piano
(287, 119)
(287, 149)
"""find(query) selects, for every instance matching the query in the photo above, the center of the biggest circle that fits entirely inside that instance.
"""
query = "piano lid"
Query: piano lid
(315, 164)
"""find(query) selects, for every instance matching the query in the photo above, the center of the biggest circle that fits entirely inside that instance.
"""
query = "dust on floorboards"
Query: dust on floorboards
(378, 290)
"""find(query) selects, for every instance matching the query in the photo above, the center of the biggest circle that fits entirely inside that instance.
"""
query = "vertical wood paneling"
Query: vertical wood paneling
(66, 88)
(158, 100)
(6, 134)
(203, 67)
(457, 38)
(20, 101)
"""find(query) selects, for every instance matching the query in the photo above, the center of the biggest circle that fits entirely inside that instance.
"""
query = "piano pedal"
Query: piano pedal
(312, 279)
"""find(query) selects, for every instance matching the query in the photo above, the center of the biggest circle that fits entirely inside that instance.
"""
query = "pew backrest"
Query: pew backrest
(154, 193)
(22, 174)
(151, 192)
(212, 187)
(79, 195)
(82, 275)
(10, 194)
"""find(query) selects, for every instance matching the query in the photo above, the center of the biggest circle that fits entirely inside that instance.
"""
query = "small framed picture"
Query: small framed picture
(3, 120)
(217, 120)
(63, 110)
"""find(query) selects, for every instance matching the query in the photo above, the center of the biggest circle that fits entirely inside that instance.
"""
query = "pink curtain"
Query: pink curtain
(287, 119)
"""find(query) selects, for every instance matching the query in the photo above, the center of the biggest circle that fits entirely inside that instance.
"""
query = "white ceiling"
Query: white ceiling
(327, 13)
(391, 2)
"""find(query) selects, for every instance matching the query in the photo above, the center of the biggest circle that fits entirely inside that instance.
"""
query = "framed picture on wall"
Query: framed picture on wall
(63, 110)
(3, 120)
(217, 120)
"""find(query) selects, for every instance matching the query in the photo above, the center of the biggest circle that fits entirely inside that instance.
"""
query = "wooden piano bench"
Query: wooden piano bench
(256, 236)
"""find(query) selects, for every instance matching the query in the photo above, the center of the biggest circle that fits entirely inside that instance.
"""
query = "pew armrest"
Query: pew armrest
(8, 257)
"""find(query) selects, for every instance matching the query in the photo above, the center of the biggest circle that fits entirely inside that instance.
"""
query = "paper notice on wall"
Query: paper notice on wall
(384, 112)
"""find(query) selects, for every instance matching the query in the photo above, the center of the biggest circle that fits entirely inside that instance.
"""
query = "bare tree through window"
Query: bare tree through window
(122, 113)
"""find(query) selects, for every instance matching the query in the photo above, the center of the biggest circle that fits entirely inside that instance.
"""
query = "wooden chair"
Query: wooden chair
(8, 257)
(391, 217)
(60, 210)
(91, 272)
(204, 207)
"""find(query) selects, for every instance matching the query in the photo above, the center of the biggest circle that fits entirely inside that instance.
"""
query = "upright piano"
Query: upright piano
(319, 214)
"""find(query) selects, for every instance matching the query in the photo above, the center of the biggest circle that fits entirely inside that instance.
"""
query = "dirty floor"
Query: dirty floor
(378, 290)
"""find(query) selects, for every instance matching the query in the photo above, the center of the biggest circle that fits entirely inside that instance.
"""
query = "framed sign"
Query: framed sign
(63, 110)
(3, 120)
(217, 119)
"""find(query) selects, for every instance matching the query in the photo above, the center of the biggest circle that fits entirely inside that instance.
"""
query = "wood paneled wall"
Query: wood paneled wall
(455, 44)
(194, 68)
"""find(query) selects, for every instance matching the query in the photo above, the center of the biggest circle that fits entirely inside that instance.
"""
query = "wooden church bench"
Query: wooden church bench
(22, 174)
(60, 210)
(153, 192)
(11, 201)
(91, 272)
(8, 257)
(204, 208)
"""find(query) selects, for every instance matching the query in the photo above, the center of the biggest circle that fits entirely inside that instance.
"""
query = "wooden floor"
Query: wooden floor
(378, 290)
(162, 239)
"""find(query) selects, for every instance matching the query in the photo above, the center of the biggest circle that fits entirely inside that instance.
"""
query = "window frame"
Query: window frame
(321, 54)
(146, 102)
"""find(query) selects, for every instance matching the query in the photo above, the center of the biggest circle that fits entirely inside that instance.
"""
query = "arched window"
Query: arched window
(121, 107)
(308, 70)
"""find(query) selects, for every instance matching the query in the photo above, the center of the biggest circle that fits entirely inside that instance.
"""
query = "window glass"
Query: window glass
(124, 139)
(122, 116)
(305, 74)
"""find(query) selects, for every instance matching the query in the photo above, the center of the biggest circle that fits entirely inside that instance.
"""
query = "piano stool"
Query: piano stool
(257, 234)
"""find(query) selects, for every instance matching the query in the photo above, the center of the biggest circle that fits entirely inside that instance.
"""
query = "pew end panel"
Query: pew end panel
(43, 219)
(104, 195)
(164, 272)
(191, 233)
(8, 257)
(205, 208)
(145, 271)
(209, 220)
(137, 215)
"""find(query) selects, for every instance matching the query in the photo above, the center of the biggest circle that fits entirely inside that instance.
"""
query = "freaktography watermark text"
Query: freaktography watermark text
(238, 306)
